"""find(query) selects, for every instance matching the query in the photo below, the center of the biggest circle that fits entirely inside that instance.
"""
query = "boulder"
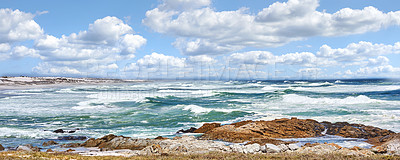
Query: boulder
(23, 148)
(207, 127)
(1, 148)
(251, 148)
(236, 148)
(272, 148)
(112, 142)
(318, 149)
(49, 143)
(279, 128)
(190, 130)
(293, 147)
(283, 147)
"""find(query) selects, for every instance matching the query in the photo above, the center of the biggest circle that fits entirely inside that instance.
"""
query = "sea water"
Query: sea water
(150, 109)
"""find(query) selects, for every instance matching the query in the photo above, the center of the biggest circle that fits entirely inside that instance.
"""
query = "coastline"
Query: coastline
(245, 138)
(20, 83)
(244, 142)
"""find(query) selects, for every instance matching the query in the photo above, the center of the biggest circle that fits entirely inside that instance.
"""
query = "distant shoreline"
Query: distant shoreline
(12, 83)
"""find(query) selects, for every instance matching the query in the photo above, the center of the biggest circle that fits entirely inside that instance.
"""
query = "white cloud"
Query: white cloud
(358, 51)
(202, 30)
(17, 26)
(379, 61)
(183, 4)
(160, 66)
(376, 71)
(253, 57)
(94, 51)
(4, 47)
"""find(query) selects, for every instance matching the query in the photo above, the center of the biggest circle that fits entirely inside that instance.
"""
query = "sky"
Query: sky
(201, 39)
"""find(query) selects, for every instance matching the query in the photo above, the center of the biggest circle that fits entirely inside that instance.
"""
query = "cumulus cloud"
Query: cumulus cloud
(358, 51)
(160, 66)
(93, 51)
(367, 56)
(202, 30)
(18, 26)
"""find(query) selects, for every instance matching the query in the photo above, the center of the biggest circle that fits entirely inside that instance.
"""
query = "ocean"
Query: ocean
(160, 108)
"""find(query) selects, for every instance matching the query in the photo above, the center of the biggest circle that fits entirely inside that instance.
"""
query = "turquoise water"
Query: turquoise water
(150, 109)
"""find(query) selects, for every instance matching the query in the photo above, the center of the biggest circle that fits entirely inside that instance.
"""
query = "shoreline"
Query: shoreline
(244, 138)
(20, 83)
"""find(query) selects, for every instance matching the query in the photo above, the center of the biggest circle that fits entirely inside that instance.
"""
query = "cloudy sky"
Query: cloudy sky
(201, 39)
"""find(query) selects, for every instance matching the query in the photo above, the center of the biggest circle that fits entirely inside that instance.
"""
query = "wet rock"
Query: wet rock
(207, 127)
(49, 143)
(190, 130)
(65, 131)
(59, 131)
(1, 148)
(293, 147)
(72, 138)
(348, 130)
(279, 128)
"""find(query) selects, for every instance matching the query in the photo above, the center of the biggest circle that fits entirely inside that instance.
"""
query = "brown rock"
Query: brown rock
(1, 148)
(347, 130)
(49, 143)
(356, 148)
(160, 138)
(111, 142)
(335, 145)
(379, 149)
(49, 150)
(190, 130)
(70, 150)
(207, 127)
(311, 145)
(279, 128)
(377, 141)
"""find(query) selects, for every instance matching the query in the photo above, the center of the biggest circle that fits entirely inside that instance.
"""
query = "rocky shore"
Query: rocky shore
(246, 137)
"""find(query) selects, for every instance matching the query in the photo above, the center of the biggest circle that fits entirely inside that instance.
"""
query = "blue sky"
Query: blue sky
(201, 39)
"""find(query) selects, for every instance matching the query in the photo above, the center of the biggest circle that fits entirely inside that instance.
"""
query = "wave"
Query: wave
(297, 99)
(349, 88)
(202, 110)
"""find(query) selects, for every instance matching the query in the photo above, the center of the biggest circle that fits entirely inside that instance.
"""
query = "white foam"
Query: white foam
(297, 99)
(201, 110)
(349, 88)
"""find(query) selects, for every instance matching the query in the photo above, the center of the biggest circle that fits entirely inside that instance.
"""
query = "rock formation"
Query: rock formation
(279, 128)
